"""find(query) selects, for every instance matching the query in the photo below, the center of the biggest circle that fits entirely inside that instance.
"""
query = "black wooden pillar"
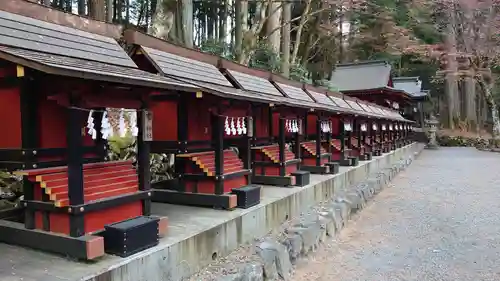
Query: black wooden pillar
(372, 133)
(143, 152)
(359, 133)
(254, 136)
(390, 133)
(270, 124)
(384, 132)
(182, 136)
(74, 142)
(218, 143)
(364, 133)
(248, 145)
(329, 139)
(342, 139)
(297, 141)
(397, 132)
(306, 125)
(318, 140)
(281, 143)
(29, 139)
(380, 133)
(99, 142)
(348, 136)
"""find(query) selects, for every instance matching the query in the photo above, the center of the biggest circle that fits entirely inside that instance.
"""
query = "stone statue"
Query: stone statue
(433, 123)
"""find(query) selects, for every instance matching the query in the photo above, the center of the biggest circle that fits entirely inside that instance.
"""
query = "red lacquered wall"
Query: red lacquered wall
(10, 111)
(311, 124)
(164, 120)
(262, 122)
(286, 115)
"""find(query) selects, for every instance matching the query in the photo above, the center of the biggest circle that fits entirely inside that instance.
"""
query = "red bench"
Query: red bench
(310, 147)
(206, 162)
(273, 153)
(100, 181)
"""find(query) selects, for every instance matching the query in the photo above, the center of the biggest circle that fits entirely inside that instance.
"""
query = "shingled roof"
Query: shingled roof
(66, 51)
(187, 65)
(361, 75)
(411, 85)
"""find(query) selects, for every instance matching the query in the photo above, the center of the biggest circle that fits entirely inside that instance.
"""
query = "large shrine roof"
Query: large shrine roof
(361, 75)
(411, 85)
(67, 51)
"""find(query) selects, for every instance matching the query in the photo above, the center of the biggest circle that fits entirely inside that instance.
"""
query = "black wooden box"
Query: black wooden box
(302, 178)
(131, 236)
(368, 156)
(334, 167)
(247, 196)
(346, 162)
(354, 161)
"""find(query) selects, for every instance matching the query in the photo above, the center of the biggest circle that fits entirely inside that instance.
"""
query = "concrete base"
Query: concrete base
(196, 235)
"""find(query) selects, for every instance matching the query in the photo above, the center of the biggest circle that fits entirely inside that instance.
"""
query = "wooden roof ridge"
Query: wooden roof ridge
(354, 99)
(334, 94)
(133, 36)
(191, 66)
(55, 16)
(406, 79)
(317, 89)
(283, 80)
(362, 63)
(231, 65)
(60, 50)
(294, 90)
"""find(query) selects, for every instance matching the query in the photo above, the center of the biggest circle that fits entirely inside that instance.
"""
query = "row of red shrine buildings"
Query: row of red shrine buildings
(57, 77)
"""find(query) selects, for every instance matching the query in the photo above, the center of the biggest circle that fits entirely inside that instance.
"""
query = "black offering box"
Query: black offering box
(247, 196)
(302, 178)
(128, 237)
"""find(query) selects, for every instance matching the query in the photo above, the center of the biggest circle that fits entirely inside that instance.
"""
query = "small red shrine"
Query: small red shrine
(58, 132)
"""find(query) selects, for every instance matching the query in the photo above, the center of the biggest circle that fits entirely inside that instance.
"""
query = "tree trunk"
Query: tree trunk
(140, 13)
(487, 90)
(451, 74)
(250, 37)
(109, 10)
(187, 23)
(119, 10)
(341, 35)
(162, 20)
(231, 22)
(285, 61)
(272, 26)
(241, 26)
(211, 22)
(127, 12)
(223, 20)
(96, 9)
(81, 7)
(216, 17)
(470, 102)
(298, 34)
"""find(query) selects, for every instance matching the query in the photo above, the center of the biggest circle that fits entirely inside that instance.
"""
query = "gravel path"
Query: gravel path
(439, 221)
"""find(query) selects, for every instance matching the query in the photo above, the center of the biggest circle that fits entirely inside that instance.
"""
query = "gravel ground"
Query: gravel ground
(439, 221)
